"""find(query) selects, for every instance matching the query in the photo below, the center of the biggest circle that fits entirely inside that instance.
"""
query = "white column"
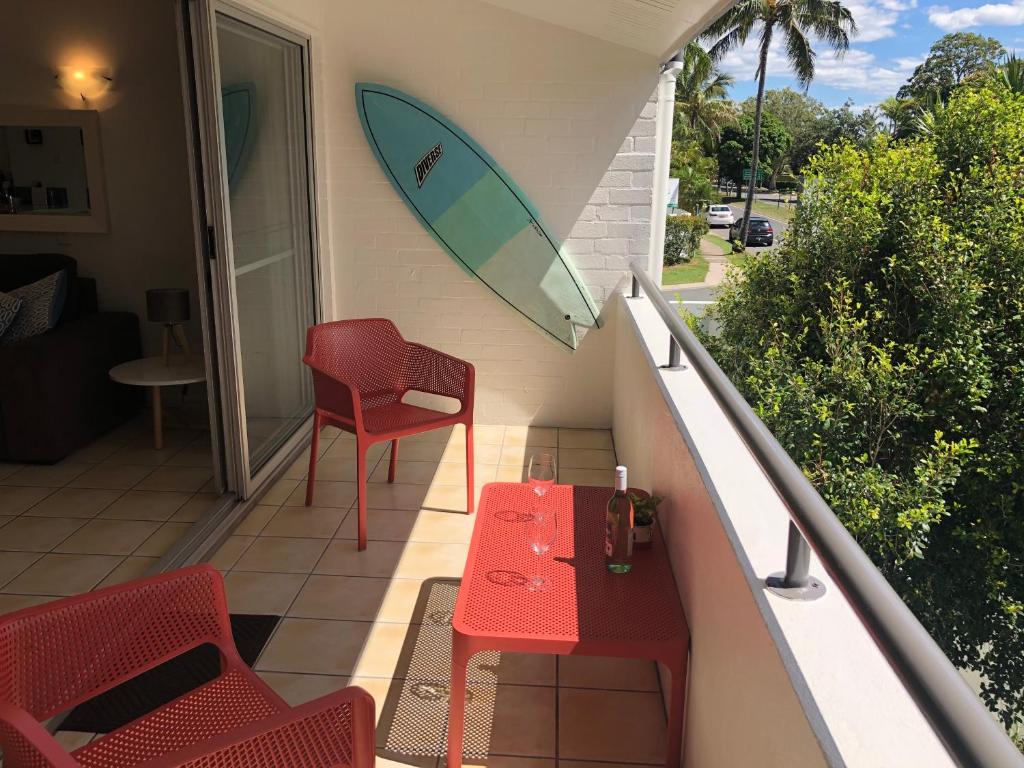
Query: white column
(662, 161)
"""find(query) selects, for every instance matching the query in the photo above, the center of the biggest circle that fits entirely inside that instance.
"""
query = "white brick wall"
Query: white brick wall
(552, 106)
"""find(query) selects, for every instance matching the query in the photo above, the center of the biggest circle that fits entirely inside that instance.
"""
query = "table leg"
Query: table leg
(456, 707)
(158, 419)
(676, 713)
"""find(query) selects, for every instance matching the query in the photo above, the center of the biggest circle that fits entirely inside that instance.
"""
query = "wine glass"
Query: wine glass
(540, 535)
(541, 526)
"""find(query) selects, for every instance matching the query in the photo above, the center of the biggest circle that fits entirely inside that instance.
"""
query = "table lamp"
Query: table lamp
(169, 306)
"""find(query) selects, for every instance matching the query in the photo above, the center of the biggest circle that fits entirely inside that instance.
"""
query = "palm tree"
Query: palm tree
(1012, 73)
(794, 21)
(702, 104)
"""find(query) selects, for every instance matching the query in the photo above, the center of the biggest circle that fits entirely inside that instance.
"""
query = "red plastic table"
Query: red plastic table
(586, 610)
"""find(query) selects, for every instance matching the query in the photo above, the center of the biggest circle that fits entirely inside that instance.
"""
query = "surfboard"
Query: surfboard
(474, 211)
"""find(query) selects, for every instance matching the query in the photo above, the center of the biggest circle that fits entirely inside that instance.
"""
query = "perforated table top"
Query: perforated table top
(585, 609)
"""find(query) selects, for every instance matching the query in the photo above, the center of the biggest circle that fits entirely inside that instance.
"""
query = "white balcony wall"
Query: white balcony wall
(772, 682)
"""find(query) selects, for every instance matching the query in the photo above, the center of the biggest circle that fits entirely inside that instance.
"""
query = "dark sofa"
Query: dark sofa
(55, 392)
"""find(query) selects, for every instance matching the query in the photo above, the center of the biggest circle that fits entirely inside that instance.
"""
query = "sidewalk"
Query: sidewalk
(717, 266)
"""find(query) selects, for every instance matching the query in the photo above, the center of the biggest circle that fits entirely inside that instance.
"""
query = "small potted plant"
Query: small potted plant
(645, 512)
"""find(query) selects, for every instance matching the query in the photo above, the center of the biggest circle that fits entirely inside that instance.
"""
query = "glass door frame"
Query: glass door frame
(203, 22)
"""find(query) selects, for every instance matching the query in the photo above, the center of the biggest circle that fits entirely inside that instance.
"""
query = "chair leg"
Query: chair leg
(314, 450)
(469, 468)
(361, 487)
(394, 461)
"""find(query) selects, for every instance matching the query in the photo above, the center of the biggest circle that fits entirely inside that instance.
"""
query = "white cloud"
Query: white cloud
(876, 20)
(989, 14)
(857, 70)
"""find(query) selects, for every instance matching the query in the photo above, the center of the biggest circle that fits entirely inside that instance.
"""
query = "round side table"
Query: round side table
(152, 373)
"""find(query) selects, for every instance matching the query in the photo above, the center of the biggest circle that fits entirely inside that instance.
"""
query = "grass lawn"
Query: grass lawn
(693, 272)
(784, 212)
(737, 259)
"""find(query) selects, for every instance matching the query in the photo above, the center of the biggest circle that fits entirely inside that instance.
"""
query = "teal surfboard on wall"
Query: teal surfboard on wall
(471, 207)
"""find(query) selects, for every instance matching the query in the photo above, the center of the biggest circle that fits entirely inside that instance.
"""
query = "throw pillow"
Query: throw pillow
(9, 306)
(42, 302)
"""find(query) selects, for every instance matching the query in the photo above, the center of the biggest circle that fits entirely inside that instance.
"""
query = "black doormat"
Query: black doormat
(160, 685)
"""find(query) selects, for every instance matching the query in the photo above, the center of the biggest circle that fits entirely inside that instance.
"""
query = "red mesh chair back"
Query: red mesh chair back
(367, 355)
(53, 658)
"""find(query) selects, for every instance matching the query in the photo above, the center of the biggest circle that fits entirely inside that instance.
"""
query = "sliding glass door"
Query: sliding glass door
(258, 153)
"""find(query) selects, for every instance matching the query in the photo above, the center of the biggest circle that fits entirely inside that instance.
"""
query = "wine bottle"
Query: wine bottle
(618, 536)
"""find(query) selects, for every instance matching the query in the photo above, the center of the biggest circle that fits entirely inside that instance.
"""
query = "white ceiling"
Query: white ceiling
(657, 27)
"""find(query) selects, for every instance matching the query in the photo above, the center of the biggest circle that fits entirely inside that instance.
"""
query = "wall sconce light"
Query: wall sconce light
(87, 83)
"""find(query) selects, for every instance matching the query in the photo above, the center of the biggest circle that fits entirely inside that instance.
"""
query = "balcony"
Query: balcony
(803, 683)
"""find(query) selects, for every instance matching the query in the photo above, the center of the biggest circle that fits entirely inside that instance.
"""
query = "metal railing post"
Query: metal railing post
(635, 293)
(796, 582)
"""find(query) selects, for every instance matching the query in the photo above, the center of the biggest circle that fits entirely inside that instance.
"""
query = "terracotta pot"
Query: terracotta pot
(643, 536)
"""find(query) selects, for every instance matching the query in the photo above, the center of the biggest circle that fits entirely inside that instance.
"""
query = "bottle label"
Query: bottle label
(609, 539)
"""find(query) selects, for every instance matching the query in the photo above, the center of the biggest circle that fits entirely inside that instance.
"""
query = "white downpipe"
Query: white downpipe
(662, 161)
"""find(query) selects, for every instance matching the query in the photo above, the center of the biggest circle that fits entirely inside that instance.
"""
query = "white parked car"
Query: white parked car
(720, 216)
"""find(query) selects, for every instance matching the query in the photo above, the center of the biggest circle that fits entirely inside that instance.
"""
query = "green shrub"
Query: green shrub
(682, 238)
(883, 345)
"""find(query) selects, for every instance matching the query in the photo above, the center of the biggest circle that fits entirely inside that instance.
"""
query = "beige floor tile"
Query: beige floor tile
(314, 646)
(444, 473)
(395, 495)
(536, 437)
(142, 452)
(47, 475)
(521, 718)
(298, 689)
(61, 574)
(256, 520)
(592, 726)
(585, 438)
(308, 522)
(230, 551)
(197, 505)
(607, 673)
(8, 468)
(590, 764)
(165, 537)
(378, 687)
(340, 597)
(444, 435)
(129, 569)
(337, 470)
(262, 592)
(117, 476)
(298, 468)
(97, 451)
(503, 761)
(11, 603)
(512, 474)
(519, 455)
(583, 458)
(280, 491)
(4, 519)
(166, 478)
(410, 525)
(346, 449)
(146, 505)
(400, 602)
(526, 669)
(383, 646)
(450, 498)
(341, 558)
(108, 537)
(75, 502)
(418, 451)
(38, 534)
(200, 456)
(482, 454)
(426, 560)
(488, 434)
(72, 740)
(13, 563)
(325, 494)
(599, 477)
(279, 555)
(16, 499)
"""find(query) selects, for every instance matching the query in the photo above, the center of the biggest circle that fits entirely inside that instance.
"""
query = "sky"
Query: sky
(893, 37)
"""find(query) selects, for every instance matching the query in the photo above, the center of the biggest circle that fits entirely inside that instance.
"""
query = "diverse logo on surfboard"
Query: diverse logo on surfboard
(426, 163)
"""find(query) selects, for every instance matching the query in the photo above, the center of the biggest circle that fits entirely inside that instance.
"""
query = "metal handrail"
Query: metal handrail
(967, 729)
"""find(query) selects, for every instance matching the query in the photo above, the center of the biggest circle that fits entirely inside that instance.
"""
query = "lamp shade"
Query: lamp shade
(167, 305)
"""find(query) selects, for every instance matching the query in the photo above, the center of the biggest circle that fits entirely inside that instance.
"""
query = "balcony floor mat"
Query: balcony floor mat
(154, 688)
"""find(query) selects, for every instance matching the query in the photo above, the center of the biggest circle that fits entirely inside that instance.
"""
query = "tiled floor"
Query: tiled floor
(353, 617)
(102, 515)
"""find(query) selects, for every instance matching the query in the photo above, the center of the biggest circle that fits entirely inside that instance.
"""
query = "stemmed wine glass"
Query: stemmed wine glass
(542, 525)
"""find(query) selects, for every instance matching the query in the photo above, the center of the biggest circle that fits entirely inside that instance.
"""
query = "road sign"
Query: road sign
(760, 174)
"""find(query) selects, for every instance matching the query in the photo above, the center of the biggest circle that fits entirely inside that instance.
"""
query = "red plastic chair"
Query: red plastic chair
(361, 371)
(60, 654)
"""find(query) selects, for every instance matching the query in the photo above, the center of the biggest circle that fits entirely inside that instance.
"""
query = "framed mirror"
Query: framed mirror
(51, 171)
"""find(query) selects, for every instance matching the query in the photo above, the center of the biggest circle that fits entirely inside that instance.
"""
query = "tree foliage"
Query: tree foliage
(682, 237)
(952, 60)
(775, 142)
(883, 344)
(702, 106)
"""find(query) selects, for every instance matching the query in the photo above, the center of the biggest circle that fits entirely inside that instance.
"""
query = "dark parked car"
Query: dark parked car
(760, 232)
